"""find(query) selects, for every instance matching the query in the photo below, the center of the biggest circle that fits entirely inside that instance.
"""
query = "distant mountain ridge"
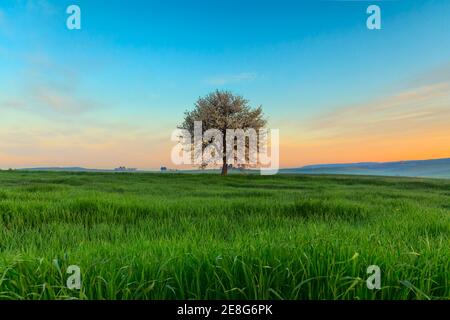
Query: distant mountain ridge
(433, 168)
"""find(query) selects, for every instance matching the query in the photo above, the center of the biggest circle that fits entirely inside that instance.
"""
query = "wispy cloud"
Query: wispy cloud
(407, 111)
(45, 100)
(90, 143)
(410, 124)
(232, 78)
(47, 87)
(62, 101)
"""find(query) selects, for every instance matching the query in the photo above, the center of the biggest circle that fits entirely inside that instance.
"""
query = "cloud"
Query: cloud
(47, 87)
(61, 101)
(90, 143)
(409, 111)
(411, 124)
(230, 79)
(43, 99)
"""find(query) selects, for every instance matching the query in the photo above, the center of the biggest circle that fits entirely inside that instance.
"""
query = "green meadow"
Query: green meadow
(194, 236)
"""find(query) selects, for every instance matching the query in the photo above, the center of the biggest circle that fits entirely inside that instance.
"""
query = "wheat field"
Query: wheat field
(194, 236)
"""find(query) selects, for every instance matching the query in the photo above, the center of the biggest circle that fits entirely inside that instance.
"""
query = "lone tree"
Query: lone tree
(223, 110)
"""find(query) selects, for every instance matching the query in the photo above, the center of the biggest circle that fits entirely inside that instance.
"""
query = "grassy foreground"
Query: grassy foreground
(175, 236)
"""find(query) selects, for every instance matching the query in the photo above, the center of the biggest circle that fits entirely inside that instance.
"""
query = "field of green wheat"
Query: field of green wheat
(188, 236)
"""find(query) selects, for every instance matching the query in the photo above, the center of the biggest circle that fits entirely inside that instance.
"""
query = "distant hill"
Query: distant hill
(436, 168)
(57, 169)
(79, 169)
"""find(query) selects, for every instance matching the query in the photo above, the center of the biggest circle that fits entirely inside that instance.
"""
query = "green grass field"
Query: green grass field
(183, 236)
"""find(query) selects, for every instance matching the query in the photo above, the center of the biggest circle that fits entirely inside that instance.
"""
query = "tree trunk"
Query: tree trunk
(224, 169)
(224, 156)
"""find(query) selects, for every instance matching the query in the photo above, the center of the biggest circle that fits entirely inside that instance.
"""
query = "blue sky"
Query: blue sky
(136, 66)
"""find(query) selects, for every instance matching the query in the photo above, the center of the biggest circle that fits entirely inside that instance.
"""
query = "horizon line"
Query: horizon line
(186, 169)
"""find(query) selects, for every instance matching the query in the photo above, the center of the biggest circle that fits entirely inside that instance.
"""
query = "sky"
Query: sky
(111, 93)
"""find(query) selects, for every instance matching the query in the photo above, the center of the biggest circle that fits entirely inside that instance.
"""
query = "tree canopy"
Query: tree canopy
(223, 110)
